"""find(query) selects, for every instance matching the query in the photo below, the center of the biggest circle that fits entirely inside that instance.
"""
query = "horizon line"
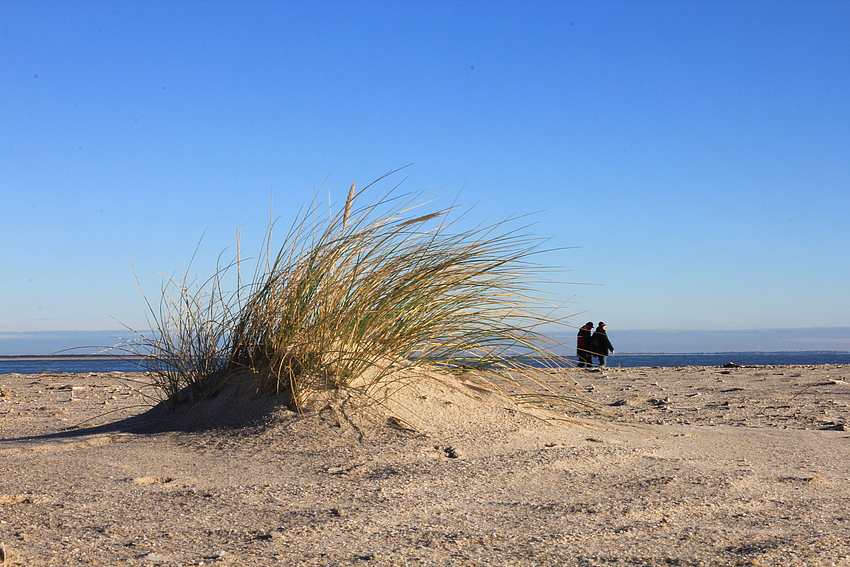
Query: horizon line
(656, 330)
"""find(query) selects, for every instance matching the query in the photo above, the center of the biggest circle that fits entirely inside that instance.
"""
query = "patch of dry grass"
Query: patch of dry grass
(350, 297)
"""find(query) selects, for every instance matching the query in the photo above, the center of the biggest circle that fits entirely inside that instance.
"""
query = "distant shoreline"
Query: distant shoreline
(712, 353)
(35, 357)
(23, 357)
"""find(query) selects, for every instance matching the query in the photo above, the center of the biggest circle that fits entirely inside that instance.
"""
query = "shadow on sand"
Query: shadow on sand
(227, 410)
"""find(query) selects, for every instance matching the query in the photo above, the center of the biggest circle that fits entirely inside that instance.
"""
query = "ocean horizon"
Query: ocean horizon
(642, 341)
(60, 351)
(94, 363)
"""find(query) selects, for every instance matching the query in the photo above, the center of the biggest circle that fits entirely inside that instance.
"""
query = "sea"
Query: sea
(69, 364)
(103, 364)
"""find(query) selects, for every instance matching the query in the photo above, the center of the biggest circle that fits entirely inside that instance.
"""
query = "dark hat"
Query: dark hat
(601, 324)
(589, 324)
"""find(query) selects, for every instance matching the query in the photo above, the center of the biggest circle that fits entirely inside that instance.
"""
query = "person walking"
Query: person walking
(584, 345)
(601, 344)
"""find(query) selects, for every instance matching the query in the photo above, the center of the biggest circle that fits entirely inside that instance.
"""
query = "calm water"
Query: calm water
(47, 365)
(10, 365)
(719, 358)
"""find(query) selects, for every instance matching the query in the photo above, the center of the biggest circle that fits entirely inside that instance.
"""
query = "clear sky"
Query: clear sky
(693, 158)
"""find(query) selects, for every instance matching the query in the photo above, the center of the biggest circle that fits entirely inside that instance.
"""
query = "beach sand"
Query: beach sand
(689, 466)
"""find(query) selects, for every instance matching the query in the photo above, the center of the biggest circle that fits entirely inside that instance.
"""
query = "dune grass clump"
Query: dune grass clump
(351, 297)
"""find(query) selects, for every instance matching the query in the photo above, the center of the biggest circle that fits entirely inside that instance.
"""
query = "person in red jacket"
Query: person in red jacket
(601, 344)
(584, 346)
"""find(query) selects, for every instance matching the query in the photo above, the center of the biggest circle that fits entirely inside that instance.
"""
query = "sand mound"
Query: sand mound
(419, 401)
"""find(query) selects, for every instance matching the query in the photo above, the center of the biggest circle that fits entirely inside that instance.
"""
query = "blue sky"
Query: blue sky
(692, 158)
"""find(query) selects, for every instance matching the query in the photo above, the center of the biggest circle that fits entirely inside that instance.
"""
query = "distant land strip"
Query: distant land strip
(22, 357)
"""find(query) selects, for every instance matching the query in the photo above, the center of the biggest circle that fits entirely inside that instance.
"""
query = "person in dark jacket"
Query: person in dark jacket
(584, 345)
(601, 344)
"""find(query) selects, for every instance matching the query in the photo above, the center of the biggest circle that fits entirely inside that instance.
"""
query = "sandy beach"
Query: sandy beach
(695, 466)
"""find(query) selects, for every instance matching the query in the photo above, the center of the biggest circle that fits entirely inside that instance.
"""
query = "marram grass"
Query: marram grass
(351, 297)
